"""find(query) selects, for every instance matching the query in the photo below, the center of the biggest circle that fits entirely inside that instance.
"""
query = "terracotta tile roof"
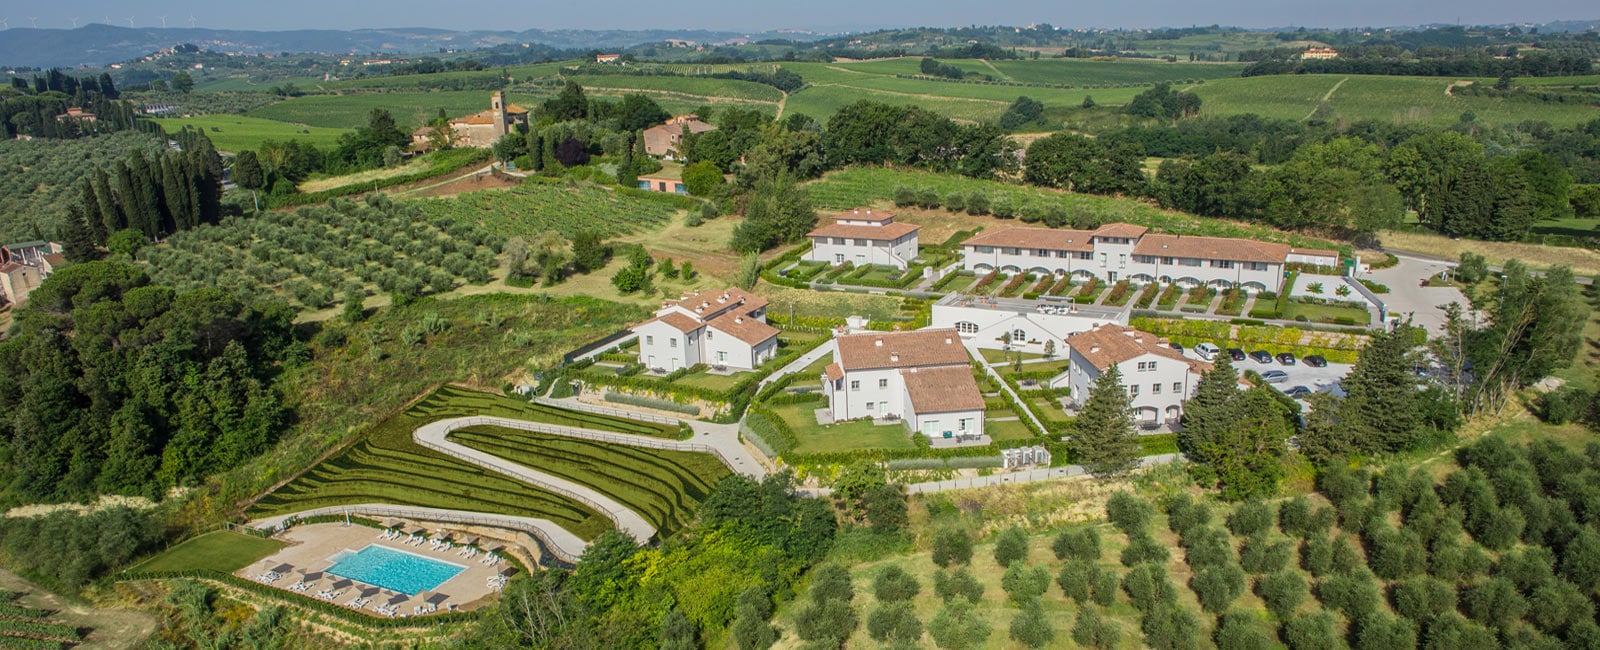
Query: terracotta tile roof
(1211, 248)
(8, 267)
(886, 232)
(675, 127)
(56, 259)
(875, 350)
(674, 320)
(859, 214)
(1125, 230)
(711, 301)
(1046, 238)
(1108, 344)
(833, 372)
(743, 327)
(942, 390)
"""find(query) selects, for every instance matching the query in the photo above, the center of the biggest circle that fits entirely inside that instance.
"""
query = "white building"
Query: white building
(862, 236)
(1158, 378)
(923, 377)
(727, 329)
(1033, 325)
(1121, 251)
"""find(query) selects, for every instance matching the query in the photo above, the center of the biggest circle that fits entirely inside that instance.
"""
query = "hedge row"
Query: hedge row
(950, 279)
(1032, 84)
(39, 628)
(17, 611)
(651, 402)
(965, 462)
(24, 643)
(337, 611)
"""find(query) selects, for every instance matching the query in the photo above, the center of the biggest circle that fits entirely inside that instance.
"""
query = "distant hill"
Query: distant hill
(100, 44)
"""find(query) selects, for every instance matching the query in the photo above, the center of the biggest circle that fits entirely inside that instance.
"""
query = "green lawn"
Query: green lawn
(1008, 370)
(240, 132)
(1001, 356)
(664, 486)
(1047, 408)
(388, 467)
(1573, 227)
(844, 436)
(711, 381)
(1325, 313)
(1005, 430)
(217, 551)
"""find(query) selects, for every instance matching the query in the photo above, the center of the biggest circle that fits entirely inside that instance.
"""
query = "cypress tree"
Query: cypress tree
(90, 211)
(175, 214)
(1379, 412)
(77, 242)
(1103, 438)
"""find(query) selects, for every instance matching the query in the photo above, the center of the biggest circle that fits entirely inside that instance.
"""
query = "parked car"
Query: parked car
(1175, 346)
(1286, 358)
(1315, 361)
(1275, 376)
(1261, 356)
(1298, 392)
(1236, 353)
(1207, 351)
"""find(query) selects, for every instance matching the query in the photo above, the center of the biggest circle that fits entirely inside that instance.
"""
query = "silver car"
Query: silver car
(1275, 376)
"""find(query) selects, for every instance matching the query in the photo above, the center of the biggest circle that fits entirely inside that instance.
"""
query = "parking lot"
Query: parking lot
(1300, 374)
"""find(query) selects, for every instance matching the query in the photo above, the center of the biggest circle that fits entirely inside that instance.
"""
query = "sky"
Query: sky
(756, 15)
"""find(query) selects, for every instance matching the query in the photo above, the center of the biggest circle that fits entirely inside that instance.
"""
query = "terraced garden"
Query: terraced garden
(535, 207)
(388, 467)
(662, 485)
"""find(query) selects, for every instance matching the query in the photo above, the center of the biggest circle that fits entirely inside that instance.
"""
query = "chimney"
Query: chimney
(738, 320)
(947, 340)
(1094, 349)
(877, 343)
(894, 357)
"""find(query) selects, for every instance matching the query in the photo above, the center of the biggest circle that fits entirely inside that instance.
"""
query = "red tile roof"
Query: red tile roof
(834, 372)
(1108, 344)
(744, 328)
(674, 320)
(876, 350)
(1124, 230)
(942, 390)
(867, 214)
(1211, 248)
(711, 301)
(1046, 238)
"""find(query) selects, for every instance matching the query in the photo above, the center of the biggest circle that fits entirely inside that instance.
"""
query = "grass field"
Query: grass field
(416, 165)
(535, 207)
(1325, 313)
(1401, 100)
(663, 486)
(1571, 227)
(388, 467)
(855, 435)
(692, 87)
(410, 110)
(240, 132)
(221, 550)
(1583, 262)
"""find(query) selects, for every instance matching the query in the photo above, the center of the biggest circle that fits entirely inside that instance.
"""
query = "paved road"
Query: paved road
(721, 440)
(1407, 296)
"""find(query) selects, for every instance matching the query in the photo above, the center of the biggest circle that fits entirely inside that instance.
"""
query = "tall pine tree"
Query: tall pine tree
(1379, 411)
(1103, 439)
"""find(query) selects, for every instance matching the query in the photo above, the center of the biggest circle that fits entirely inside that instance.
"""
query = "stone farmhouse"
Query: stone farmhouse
(1121, 251)
(663, 140)
(24, 266)
(723, 330)
(924, 378)
(862, 236)
(1158, 378)
(479, 130)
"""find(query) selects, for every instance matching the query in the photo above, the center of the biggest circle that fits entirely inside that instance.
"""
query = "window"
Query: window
(1040, 252)
(1011, 251)
(1147, 366)
(708, 334)
(964, 424)
(1177, 388)
(1063, 254)
(672, 342)
(1256, 266)
(871, 406)
(1155, 389)
(722, 357)
(1122, 259)
(967, 328)
(649, 340)
(1085, 255)
(838, 241)
(883, 383)
(1222, 264)
(862, 242)
(855, 384)
(1105, 258)
(1189, 261)
(1133, 390)
(985, 249)
(838, 258)
(1019, 336)
(1166, 260)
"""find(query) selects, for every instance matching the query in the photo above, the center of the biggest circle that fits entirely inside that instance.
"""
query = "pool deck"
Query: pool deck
(312, 548)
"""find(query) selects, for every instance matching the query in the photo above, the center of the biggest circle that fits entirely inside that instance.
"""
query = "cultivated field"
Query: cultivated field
(240, 132)
(663, 486)
(1401, 100)
(386, 466)
(535, 207)
(410, 110)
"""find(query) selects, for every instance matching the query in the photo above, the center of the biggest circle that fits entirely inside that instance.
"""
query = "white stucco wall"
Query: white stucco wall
(657, 351)
(896, 254)
(1037, 327)
(1115, 262)
(934, 425)
(737, 353)
(1165, 403)
(849, 404)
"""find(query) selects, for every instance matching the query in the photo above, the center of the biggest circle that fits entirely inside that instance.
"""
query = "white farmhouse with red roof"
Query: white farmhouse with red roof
(923, 377)
(720, 329)
(1158, 378)
(863, 236)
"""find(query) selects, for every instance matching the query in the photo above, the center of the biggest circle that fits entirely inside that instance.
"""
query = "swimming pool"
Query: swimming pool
(395, 570)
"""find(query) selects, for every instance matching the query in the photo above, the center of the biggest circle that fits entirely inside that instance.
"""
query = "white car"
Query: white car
(1207, 351)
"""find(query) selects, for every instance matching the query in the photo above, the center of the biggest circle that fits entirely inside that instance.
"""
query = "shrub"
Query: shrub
(1105, 588)
(1297, 517)
(1261, 554)
(830, 621)
(895, 621)
(1030, 627)
(1394, 554)
(1076, 578)
(1283, 592)
(1171, 628)
(1240, 630)
(955, 202)
(1422, 598)
(1148, 587)
(1356, 596)
(1342, 485)
(1313, 631)
(1565, 404)
(1452, 631)
(651, 402)
(1559, 604)
(1495, 603)
(1385, 632)
(952, 546)
(1501, 529)
(1250, 518)
(1316, 556)
(904, 196)
(1128, 513)
(1077, 543)
(1002, 207)
(894, 584)
(957, 627)
(1143, 548)
(1346, 559)
(1580, 559)
(1011, 546)
(978, 203)
(1208, 546)
(928, 198)
(1184, 514)
(1217, 586)
(1091, 631)
(950, 585)
(1023, 583)
(830, 582)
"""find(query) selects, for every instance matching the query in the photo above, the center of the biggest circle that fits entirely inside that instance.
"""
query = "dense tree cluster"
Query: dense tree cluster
(39, 110)
(40, 178)
(1392, 61)
(123, 386)
(171, 192)
(1236, 439)
(64, 550)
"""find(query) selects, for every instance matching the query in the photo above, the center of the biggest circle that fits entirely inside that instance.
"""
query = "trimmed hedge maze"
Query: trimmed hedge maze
(388, 467)
(663, 486)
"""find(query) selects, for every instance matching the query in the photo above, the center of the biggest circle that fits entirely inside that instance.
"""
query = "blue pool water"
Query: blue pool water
(381, 566)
